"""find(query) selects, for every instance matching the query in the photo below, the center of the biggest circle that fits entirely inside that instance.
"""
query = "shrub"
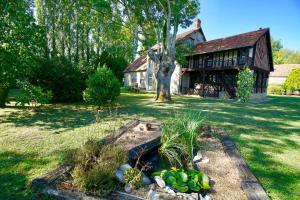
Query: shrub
(58, 75)
(95, 167)
(32, 95)
(276, 89)
(292, 82)
(245, 84)
(102, 87)
(178, 138)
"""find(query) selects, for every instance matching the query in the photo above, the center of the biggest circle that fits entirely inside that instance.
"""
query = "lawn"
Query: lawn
(267, 134)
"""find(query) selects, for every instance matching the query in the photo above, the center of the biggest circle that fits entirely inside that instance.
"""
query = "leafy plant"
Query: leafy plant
(102, 87)
(184, 180)
(276, 89)
(245, 84)
(292, 82)
(62, 78)
(134, 177)
(32, 95)
(95, 166)
(178, 138)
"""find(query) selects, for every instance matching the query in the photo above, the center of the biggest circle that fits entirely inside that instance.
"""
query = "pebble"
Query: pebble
(160, 182)
(152, 195)
(198, 157)
(128, 188)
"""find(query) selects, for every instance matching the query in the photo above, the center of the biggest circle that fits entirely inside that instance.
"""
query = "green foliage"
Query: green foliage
(276, 89)
(20, 42)
(181, 51)
(292, 82)
(95, 166)
(58, 75)
(245, 84)
(284, 56)
(3, 94)
(185, 180)
(134, 177)
(178, 138)
(102, 87)
(115, 63)
(32, 95)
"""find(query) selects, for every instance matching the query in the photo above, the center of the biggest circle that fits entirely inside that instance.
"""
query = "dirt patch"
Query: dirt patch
(224, 175)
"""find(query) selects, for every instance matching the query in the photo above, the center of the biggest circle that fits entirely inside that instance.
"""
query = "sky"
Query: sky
(221, 18)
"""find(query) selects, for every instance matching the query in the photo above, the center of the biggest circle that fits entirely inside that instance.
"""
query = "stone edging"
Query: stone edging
(250, 184)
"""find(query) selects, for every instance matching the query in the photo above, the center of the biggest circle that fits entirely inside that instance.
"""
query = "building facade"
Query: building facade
(213, 66)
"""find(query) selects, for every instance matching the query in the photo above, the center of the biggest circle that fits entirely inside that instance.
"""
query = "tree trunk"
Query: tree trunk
(3, 94)
(163, 88)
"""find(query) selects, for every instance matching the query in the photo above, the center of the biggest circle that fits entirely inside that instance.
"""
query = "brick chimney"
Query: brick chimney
(197, 23)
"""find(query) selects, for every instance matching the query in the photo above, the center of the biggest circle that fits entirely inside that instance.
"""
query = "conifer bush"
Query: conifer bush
(245, 84)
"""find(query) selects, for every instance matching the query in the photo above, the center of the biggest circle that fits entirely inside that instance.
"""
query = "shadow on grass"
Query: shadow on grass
(14, 168)
(58, 117)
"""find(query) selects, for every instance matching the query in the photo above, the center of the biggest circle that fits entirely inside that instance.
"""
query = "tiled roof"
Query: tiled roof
(283, 70)
(232, 42)
(138, 64)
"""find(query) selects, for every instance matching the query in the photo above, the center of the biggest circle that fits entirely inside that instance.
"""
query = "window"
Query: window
(243, 56)
(200, 61)
(133, 78)
(196, 62)
(209, 60)
(150, 80)
(226, 59)
(235, 58)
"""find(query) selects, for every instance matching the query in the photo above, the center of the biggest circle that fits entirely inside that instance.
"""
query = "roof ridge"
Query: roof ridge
(222, 38)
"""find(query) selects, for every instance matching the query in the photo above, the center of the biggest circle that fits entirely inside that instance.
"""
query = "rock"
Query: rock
(120, 172)
(198, 157)
(160, 182)
(146, 180)
(207, 197)
(152, 195)
(194, 196)
(170, 191)
(128, 188)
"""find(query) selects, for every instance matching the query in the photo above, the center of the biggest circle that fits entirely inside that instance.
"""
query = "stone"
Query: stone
(207, 197)
(198, 157)
(120, 172)
(170, 191)
(160, 182)
(128, 188)
(152, 195)
(146, 180)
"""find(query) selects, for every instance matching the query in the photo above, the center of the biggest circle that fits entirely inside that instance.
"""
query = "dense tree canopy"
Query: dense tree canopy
(284, 56)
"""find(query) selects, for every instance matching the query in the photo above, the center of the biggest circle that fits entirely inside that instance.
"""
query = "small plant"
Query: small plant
(32, 95)
(245, 84)
(276, 89)
(95, 166)
(134, 177)
(102, 87)
(292, 83)
(184, 180)
(178, 138)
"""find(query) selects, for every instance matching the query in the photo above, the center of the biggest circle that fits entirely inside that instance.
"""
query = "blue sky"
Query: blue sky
(221, 18)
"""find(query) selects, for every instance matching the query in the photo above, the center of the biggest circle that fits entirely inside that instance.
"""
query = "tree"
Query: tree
(20, 43)
(292, 82)
(284, 56)
(160, 22)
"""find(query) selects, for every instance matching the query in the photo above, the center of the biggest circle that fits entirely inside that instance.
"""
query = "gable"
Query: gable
(262, 59)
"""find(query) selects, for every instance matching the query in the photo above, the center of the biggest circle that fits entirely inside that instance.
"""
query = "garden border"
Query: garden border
(250, 184)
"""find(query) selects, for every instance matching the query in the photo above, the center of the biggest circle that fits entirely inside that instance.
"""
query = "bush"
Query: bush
(292, 82)
(102, 87)
(245, 84)
(58, 75)
(95, 167)
(178, 138)
(32, 95)
(276, 89)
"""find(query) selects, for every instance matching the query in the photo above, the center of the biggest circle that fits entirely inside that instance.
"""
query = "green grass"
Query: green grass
(267, 134)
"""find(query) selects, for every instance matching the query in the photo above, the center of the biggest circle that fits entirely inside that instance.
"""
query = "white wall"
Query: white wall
(276, 80)
(175, 80)
(129, 79)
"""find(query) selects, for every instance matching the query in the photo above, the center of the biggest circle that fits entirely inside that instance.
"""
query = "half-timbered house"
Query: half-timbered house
(213, 66)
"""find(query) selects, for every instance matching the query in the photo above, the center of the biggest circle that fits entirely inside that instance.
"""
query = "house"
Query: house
(281, 72)
(213, 66)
